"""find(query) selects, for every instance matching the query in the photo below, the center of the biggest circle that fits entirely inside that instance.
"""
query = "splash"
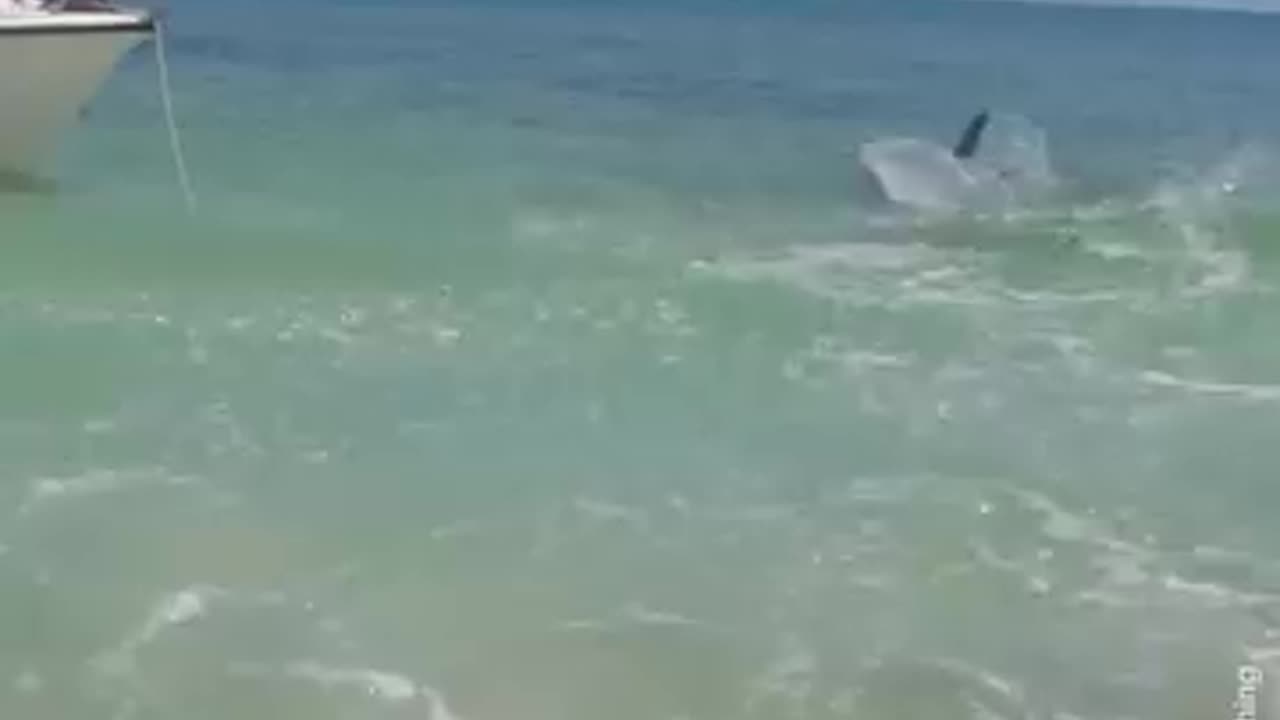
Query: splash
(1202, 214)
(1011, 169)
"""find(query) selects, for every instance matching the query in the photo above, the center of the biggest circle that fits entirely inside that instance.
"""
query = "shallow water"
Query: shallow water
(558, 362)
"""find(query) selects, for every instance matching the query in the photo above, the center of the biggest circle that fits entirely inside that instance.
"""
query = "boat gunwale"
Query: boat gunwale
(82, 24)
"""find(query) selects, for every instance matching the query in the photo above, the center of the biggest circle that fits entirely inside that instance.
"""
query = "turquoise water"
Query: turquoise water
(559, 362)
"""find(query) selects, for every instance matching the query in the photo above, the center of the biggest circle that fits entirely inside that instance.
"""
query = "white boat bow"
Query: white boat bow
(52, 63)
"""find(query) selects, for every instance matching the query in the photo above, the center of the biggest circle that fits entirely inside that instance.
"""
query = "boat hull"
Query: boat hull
(50, 68)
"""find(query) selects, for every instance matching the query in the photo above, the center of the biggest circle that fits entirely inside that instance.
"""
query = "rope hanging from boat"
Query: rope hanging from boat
(175, 137)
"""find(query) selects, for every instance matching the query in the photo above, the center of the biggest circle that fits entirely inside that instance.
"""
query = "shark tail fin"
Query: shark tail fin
(969, 141)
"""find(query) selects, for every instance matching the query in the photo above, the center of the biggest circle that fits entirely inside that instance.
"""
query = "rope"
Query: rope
(175, 138)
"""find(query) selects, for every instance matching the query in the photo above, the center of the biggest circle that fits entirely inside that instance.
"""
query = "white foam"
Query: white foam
(861, 360)
(44, 490)
(1109, 599)
(632, 615)
(1263, 655)
(1265, 393)
(1063, 525)
(1006, 689)
(836, 272)
(178, 608)
(389, 687)
(1054, 299)
(1213, 595)
(584, 625)
(1115, 250)
(1225, 270)
(790, 676)
(989, 557)
(446, 336)
(605, 511)
(1123, 570)
(641, 615)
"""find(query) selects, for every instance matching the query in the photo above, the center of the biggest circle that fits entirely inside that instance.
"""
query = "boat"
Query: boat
(54, 58)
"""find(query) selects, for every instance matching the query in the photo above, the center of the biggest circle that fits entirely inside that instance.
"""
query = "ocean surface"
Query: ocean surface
(552, 361)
